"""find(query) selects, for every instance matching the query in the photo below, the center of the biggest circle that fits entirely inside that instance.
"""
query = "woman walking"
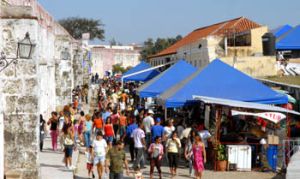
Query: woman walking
(87, 131)
(68, 145)
(81, 126)
(53, 122)
(188, 152)
(156, 151)
(100, 149)
(199, 157)
(115, 120)
(173, 145)
(42, 132)
(109, 132)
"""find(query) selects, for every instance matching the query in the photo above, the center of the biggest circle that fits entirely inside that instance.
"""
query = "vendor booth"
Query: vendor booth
(221, 81)
(166, 79)
(238, 114)
(134, 73)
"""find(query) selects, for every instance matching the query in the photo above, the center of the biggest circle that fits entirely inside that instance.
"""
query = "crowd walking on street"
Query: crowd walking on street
(121, 122)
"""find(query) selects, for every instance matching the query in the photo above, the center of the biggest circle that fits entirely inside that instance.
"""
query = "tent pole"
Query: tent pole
(166, 113)
(217, 131)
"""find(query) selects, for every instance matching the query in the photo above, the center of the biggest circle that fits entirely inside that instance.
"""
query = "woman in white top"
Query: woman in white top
(173, 145)
(100, 149)
(168, 130)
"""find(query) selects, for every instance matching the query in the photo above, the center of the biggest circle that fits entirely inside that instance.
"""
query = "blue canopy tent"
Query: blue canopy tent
(290, 40)
(220, 80)
(281, 30)
(167, 79)
(144, 76)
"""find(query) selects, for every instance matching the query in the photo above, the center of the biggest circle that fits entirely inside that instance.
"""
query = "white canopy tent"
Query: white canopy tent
(241, 104)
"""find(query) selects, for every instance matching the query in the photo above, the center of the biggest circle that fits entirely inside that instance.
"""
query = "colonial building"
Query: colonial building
(32, 86)
(231, 40)
(105, 56)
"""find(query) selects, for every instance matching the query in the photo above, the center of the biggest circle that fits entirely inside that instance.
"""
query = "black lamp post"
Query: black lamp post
(24, 50)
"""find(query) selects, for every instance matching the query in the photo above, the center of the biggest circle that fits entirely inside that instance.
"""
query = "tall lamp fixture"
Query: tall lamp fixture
(24, 51)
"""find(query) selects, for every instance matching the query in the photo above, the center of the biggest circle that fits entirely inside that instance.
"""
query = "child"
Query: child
(138, 174)
(89, 161)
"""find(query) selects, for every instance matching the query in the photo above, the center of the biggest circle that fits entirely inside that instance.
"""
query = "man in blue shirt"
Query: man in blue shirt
(129, 140)
(106, 114)
(157, 130)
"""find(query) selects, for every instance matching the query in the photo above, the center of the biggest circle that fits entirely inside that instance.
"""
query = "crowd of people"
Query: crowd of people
(122, 121)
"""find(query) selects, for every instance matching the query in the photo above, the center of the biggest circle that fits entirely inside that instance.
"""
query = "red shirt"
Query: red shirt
(109, 130)
(114, 119)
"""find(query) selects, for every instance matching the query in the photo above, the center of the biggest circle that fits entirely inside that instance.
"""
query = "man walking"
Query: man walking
(138, 136)
(129, 139)
(157, 130)
(115, 158)
(148, 123)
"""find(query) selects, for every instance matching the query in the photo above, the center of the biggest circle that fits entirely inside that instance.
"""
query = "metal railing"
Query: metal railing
(290, 147)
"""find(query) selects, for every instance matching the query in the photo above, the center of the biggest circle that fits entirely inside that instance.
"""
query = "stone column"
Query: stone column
(63, 71)
(18, 88)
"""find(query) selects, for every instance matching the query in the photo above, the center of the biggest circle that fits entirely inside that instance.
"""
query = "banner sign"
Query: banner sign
(271, 116)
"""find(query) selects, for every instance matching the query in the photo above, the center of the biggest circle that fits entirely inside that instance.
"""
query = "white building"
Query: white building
(105, 56)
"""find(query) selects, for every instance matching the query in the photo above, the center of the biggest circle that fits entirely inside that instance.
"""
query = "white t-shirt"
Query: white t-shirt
(148, 122)
(168, 130)
(137, 135)
(99, 147)
(122, 106)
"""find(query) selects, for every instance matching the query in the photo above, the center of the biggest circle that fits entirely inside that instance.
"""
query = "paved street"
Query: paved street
(51, 165)
(81, 172)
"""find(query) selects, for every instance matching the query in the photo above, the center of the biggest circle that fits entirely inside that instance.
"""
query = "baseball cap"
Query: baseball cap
(158, 119)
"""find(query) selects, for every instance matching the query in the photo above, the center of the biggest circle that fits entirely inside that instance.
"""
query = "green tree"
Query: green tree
(150, 47)
(117, 68)
(76, 26)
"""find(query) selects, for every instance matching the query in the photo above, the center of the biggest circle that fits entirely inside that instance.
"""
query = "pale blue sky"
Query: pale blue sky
(133, 21)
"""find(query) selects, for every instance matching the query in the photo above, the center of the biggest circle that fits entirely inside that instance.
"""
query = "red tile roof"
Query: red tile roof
(240, 24)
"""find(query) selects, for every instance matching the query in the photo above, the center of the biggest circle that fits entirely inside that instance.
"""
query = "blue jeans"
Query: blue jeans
(148, 139)
(87, 138)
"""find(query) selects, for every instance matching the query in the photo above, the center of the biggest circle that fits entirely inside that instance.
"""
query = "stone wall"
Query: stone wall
(19, 90)
(63, 71)
(34, 86)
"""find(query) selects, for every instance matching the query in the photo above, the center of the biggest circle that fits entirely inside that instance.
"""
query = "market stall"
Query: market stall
(134, 75)
(221, 81)
(173, 75)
